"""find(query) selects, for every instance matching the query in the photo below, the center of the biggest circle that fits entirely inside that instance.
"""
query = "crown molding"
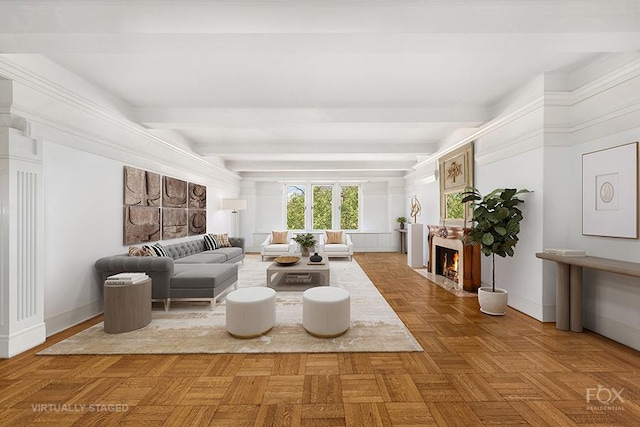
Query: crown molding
(165, 154)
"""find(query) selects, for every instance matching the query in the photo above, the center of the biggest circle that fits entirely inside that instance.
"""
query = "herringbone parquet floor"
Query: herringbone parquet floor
(475, 370)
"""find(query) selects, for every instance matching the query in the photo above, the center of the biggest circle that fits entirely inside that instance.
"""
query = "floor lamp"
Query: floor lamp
(234, 205)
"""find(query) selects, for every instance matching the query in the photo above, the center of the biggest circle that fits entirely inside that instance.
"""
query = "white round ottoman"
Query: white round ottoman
(251, 312)
(326, 311)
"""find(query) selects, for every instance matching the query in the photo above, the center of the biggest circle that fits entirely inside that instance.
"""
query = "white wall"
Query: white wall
(537, 142)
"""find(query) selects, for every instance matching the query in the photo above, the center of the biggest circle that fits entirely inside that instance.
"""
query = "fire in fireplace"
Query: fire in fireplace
(447, 263)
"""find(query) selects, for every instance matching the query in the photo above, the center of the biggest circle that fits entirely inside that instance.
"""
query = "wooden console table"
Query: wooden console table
(569, 284)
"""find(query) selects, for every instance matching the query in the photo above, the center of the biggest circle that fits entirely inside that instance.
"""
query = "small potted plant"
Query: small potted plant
(306, 241)
(401, 220)
(497, 224)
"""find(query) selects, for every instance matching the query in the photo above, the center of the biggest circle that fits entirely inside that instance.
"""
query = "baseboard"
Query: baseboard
(11, 345)
(527, 307)
(71, 318)
(612, 329)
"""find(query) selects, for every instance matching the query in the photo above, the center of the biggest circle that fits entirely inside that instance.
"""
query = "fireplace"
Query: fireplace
(447, 263)
(451, 258)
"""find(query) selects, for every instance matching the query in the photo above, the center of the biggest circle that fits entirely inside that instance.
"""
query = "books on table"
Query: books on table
(126, 278)
(565, 252)
(298, 278)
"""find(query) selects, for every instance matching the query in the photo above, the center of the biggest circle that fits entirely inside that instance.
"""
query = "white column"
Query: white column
(415, 245)
(21, 237)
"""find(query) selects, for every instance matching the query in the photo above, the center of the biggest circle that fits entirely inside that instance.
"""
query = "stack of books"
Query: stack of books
(296, 278)
(126, 278)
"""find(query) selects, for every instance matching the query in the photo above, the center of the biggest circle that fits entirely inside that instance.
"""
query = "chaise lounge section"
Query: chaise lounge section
(190, 272)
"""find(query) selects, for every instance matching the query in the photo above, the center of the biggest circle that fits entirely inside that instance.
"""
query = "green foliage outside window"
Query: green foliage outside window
(322, 196)
(454, 206)
(295, 208)
(322, 207)
(349, 208)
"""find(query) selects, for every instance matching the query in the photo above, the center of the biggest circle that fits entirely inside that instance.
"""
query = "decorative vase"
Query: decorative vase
(494, 303)
(305, 251)
(315, 257)
(402, 226)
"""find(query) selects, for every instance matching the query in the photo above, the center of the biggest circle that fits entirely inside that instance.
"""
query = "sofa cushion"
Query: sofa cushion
(202, 275)
(206, 257)
(229, 253)
(276, 248)
(336, 248)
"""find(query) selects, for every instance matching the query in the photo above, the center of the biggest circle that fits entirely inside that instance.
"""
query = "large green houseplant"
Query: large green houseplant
(496, 226)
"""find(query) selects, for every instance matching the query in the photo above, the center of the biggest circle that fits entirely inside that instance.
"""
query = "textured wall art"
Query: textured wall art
(197, 196)
(174, 223)
(141, 224)
(161, 207)
(174, 193)
(197, 221)
(141, 188)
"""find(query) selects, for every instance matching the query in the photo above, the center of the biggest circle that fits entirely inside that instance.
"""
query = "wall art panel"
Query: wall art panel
(174, 193)
(141, 188)
(141, 224)
(197, 196)
(174, 223)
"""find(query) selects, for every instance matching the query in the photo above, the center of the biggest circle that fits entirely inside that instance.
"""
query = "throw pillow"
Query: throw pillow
(157, 249)
(334, 237)
(222, 240)
(279, 237)
(210, 242)
(140, 251)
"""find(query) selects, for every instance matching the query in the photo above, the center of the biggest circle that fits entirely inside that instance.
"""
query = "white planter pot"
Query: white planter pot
(494, 303)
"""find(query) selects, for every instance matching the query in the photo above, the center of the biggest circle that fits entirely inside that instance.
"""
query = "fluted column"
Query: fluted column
(21, 235)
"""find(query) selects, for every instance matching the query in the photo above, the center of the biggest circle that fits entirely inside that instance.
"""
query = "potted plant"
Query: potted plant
(401, 220)
(497, 224)
(306, 241)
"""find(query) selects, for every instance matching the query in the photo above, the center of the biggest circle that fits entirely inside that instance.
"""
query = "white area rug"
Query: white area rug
(192, 327)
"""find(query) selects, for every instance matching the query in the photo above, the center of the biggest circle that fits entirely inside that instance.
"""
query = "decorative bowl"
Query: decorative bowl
(287, 260)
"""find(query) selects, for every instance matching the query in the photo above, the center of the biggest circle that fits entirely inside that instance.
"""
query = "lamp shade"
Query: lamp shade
(234, 204)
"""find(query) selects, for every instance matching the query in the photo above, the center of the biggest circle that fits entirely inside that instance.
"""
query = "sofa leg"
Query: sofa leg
(213, 304)
(167, 303)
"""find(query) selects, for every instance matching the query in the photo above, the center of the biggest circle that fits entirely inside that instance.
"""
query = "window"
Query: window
(349, 207)
(322, 211)
(328, 206)
(295, 207)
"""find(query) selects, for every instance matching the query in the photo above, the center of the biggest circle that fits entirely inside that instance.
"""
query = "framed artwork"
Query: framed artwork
(197, 196)
(174, 223)
(455, 174)
(610, 192)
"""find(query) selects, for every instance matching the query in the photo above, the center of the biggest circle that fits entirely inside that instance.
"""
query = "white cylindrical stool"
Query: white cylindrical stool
(326, 311)
(251, 312)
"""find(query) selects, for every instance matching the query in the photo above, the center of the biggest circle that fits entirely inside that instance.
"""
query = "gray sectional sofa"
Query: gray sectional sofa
(189, 272)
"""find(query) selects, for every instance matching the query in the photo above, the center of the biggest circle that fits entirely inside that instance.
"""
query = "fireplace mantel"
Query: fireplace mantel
(470, 270)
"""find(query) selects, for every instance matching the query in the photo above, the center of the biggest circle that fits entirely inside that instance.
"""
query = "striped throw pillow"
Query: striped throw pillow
(210, 242)
(157, 249)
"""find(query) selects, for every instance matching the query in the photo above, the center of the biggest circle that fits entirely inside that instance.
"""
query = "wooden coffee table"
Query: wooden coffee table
(277, 275)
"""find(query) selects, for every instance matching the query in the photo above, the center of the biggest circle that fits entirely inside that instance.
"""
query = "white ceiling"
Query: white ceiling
(349, 88)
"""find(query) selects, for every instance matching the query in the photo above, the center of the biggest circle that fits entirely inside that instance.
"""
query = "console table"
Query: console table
(569, 283)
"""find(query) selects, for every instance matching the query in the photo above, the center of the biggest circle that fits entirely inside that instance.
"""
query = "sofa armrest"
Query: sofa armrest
(159, 269)
(237, 242)
(349, 243)
(266, 242)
